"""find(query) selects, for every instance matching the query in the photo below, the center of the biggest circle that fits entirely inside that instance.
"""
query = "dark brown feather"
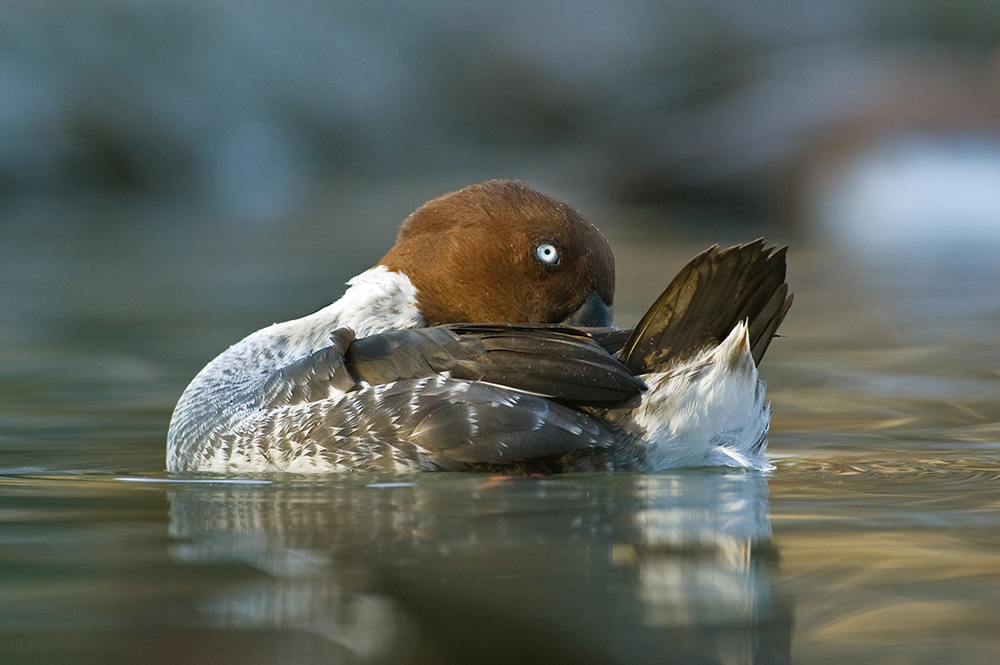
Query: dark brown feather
(560, 363)
(704, 302)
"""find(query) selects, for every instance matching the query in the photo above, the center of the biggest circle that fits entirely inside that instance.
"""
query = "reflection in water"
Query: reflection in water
(450, 567)
(703, 541)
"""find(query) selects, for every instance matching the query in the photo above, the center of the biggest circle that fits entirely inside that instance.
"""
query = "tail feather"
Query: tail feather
(765, 325)
(700, 307)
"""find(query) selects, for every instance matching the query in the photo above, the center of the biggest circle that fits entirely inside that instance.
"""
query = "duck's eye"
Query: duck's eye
(547, 253)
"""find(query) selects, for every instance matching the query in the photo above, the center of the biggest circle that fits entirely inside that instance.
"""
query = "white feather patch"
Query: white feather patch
(707, 411)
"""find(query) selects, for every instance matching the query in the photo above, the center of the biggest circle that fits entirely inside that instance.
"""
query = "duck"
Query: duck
(483, 341)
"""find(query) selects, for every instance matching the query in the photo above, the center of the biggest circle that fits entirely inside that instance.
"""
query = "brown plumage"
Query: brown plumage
(450, 240)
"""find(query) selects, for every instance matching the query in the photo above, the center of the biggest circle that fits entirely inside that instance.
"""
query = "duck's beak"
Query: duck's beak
(593, 313)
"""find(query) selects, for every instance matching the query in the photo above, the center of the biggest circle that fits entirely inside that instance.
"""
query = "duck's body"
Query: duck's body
(398, 376)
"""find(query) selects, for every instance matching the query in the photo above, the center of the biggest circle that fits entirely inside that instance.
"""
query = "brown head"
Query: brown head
(500, 252)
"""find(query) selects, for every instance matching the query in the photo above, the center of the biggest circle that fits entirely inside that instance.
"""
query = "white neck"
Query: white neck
(376, 300)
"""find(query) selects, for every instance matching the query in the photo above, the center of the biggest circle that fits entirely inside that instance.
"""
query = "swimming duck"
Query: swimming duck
(482, 341)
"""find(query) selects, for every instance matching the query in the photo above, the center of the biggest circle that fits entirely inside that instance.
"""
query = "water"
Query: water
(876, 539)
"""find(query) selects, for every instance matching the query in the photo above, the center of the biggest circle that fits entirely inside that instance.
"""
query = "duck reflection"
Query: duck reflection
(701, 549)
(674, 567)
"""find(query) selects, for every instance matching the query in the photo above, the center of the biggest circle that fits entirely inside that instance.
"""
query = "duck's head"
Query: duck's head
(500, 252)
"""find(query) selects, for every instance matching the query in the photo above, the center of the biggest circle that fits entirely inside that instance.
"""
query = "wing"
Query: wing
(563, 364)
(704, 302)
(559, 363)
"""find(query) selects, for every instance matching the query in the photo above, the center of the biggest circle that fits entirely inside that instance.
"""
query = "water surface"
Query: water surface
(876, 539)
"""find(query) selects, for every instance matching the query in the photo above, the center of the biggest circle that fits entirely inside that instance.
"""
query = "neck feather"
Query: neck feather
(375, 301)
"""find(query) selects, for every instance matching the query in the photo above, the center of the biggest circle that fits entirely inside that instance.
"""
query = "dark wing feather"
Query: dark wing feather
(610, 339)
(559, 363)
(704, 302)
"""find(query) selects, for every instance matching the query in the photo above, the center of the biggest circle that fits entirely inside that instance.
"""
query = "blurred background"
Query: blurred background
(817, 112)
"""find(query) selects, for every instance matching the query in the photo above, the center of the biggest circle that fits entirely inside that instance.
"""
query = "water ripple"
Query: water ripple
(957, 468)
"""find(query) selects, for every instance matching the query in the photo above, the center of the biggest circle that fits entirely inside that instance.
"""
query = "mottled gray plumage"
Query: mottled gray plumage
(419, 424)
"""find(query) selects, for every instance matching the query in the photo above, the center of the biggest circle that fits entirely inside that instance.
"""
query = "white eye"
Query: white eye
(547, 253)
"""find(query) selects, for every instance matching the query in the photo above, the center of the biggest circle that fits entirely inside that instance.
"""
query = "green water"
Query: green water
(876, 539)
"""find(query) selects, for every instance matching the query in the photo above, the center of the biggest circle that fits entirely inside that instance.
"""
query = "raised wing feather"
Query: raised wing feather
(704, 302)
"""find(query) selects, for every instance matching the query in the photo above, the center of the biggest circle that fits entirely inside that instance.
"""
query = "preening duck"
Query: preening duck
(482, 341)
